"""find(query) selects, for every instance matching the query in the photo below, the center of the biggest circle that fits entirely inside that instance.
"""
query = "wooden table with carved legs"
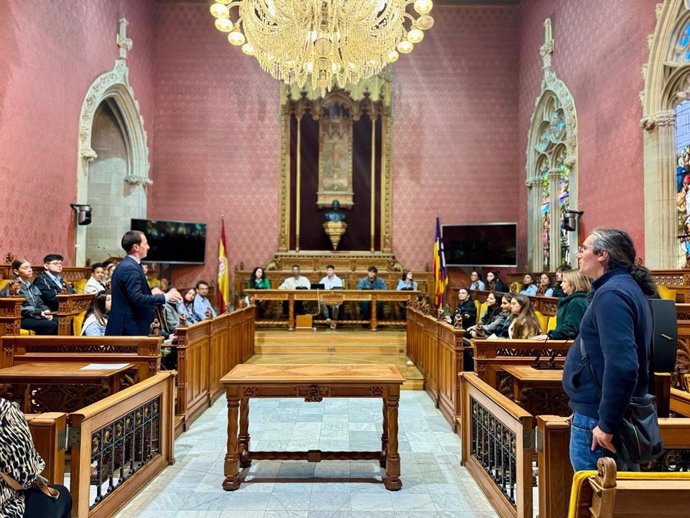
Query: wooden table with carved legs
(312, 383)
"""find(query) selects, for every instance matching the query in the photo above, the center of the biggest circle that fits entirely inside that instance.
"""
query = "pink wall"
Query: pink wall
(455, 149)
(599, 50)
(217, 140)
(46, 69)
(454, 144)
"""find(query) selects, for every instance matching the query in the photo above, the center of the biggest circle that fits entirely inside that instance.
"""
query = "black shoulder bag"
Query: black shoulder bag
(639, 439)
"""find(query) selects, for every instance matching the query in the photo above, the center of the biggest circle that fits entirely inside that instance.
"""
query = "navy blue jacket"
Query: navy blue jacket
(616, 330)
(133, 305)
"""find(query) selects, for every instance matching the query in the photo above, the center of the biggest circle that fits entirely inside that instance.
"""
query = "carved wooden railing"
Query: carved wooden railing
(10, 315)
(497, 437)
(69, 273)
(119, 444)
(556, 473)
(49, 433)
(436, 348)
(206, 351)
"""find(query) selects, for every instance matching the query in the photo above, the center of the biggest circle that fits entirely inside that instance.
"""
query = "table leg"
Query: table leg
(232, 456)
(245, 461)
(392, 480)
(374, 322)
(384, 437)
(291, 314)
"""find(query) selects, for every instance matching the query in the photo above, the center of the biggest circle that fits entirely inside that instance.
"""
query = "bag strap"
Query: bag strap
(586, 361)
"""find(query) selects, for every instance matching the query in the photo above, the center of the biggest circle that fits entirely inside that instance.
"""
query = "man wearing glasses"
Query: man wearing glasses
(50, 281)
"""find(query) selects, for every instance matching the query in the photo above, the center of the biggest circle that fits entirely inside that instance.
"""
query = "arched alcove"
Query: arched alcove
(666, 161)
(127, 190)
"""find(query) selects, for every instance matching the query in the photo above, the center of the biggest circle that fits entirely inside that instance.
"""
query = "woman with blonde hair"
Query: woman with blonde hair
(571, 308)
(525, 323)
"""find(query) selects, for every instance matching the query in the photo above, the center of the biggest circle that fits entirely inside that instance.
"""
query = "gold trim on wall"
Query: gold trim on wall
(374, 95)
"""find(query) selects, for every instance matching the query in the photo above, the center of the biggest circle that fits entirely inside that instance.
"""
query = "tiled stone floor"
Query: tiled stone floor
(434, 483)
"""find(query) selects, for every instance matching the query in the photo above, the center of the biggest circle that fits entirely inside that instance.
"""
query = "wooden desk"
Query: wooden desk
(539, 391)
(312, 383)
(61, 373)
(332, 298)
(69, 306)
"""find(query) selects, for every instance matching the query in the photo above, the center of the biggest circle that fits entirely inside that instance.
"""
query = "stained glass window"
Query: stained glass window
(682, 47)
(683, 181)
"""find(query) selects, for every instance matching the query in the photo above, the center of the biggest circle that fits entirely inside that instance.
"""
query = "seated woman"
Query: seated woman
(23, 492)
(407, 282)
(258, 281)
(476, 282)
(97, 315)
(544, 288)
(571, 308)
(498, 327)
(492, 309)
(36, 316)
(557, 287)
(494, 283)
(186, 307)
(528, 286)
(524, 324)
(465, 314)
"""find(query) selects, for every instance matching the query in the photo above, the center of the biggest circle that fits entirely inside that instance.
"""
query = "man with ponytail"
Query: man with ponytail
(615, 333)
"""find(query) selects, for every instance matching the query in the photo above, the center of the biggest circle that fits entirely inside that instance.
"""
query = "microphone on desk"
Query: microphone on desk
(536, 363)
(551, 364)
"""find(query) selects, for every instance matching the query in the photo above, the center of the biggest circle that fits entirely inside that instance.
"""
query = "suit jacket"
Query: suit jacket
(133, 304)
(49, 290)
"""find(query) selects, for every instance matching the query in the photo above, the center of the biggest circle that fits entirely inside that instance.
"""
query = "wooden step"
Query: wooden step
(327, 341)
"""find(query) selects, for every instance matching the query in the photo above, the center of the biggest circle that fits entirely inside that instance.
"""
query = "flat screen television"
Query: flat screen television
(173, 242)
(484, 244)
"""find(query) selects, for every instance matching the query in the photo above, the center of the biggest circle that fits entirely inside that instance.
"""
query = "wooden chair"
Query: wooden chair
(608, 494)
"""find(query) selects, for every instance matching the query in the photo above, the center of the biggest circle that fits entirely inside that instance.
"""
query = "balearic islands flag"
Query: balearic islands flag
(223, 291)
(440, 271)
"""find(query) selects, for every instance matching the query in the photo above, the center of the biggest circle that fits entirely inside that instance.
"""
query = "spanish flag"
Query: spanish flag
(440, 271)
(223, 291)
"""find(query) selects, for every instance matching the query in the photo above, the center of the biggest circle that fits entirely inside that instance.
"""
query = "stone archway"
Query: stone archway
(113, 87)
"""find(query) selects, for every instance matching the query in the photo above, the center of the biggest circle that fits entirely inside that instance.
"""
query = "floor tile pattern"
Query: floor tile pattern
(434, 483)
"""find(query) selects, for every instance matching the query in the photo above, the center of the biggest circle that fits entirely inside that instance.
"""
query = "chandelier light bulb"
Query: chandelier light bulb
(220, 10)
(223, 24)
(415, 35)
(248, 49)
(392, 56)
(405, 47)
(423, 6)
(236, 38)
(425, 22)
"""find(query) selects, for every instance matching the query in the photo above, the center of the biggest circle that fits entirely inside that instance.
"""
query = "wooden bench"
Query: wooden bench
(141, 351)
(49, 433)
(608, 494)
(10, 315)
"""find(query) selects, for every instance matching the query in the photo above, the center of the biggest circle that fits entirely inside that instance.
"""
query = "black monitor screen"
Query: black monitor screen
(488, 244)
(175, 242)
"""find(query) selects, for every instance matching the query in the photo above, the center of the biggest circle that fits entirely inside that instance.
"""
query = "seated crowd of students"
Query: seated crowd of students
(511, 315)
(40, 305)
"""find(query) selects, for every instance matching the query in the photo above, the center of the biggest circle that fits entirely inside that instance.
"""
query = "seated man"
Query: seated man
(330, 281)
(50, 282)
(295, 282)
(370, 282)
(201, 302)
(95, 282)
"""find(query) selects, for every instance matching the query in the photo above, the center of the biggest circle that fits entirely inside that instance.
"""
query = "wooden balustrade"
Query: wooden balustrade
(497, 445)
(206, 351)
(69, 273)
(49, 434)
(127, 438)
(69, 306)
(10, 315)
(141, 351)
(437, 350)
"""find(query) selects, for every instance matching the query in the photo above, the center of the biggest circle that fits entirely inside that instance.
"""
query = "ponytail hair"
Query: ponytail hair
(621, 250)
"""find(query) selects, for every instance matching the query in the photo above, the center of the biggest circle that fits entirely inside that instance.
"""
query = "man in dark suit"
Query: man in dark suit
(50, 281)
(134, 302)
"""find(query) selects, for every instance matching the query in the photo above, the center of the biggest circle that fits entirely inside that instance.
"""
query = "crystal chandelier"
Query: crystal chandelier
(323, 41)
